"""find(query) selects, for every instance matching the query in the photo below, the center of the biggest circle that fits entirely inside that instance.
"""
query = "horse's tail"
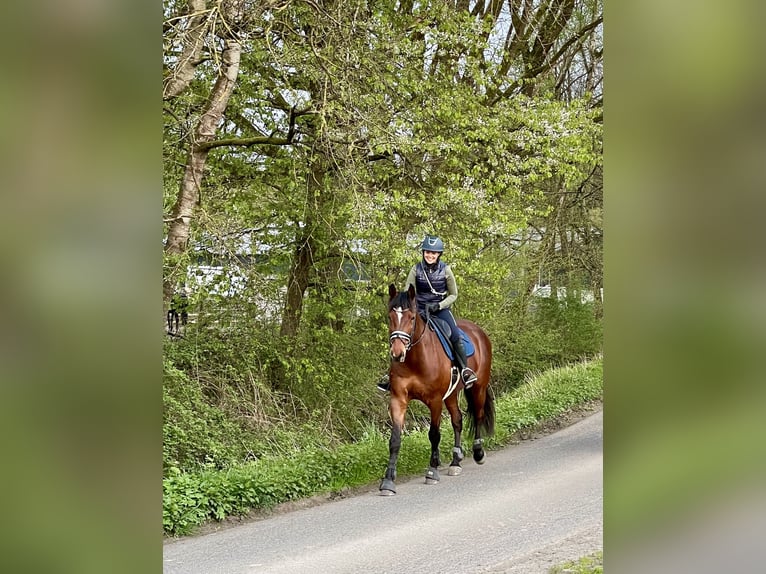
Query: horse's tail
(486, 426)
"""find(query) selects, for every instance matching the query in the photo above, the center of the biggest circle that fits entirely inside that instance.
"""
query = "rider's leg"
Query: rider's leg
(469, 377)
(384, 384)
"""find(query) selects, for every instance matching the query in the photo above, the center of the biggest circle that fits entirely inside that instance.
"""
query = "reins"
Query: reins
(407, 337)
(423, 334)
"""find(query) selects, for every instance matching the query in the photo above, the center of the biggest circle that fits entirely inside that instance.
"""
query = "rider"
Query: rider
(436, 291)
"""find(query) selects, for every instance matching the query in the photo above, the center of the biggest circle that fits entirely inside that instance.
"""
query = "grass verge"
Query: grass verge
(191, 499)
(591, 564)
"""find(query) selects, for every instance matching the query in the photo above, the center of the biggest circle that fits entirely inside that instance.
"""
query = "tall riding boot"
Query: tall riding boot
(384, 384)
(469, 377)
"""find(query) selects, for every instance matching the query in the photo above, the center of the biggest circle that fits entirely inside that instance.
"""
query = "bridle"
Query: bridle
(405, 337)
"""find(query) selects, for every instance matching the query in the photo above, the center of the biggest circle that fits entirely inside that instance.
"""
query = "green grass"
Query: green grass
(591, 564)
(192, 498)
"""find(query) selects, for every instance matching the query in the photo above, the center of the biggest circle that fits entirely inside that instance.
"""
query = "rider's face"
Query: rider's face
(430, 256)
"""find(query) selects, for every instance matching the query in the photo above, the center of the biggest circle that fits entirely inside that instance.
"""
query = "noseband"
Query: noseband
(406, 338)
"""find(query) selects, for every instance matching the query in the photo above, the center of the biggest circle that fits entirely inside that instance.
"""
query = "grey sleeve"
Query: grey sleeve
(411, 279)
(451, 289)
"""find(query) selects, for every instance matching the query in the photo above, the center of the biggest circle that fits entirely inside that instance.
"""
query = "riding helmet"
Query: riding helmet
(432, 243)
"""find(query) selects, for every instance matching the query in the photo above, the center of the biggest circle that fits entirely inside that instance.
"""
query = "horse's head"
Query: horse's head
(402, 315)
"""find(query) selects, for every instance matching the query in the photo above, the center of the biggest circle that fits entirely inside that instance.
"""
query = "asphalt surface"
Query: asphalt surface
(529, 507)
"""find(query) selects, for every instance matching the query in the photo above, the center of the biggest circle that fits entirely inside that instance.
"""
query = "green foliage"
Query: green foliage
(221, 409)
(190, 498)
(546, 395)
(539, 333)
(578, 332)
(404, 121)
(196, 433)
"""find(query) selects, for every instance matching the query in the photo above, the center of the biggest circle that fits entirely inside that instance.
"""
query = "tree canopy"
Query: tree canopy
(309, 145)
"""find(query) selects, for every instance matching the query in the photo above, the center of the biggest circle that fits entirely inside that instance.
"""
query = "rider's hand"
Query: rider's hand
(433, 308)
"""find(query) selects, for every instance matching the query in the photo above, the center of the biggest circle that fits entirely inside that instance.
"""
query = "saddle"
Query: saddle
(444, 332)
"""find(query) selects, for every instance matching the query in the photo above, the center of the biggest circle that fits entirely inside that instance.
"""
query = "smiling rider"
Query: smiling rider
(436, 291)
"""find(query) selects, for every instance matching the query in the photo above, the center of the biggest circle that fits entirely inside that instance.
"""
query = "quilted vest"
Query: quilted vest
(438, 280)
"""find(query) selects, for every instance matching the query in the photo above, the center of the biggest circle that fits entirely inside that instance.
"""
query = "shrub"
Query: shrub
(541, 333)
(196, 433)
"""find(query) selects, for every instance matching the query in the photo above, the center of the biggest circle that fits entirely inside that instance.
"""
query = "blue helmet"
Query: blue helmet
(432, 243)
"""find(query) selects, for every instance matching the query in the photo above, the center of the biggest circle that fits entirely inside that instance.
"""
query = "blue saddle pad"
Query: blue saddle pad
(469, 348)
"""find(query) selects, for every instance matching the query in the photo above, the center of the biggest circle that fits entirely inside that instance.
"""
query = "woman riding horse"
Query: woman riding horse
(436, 291)
(421, 370)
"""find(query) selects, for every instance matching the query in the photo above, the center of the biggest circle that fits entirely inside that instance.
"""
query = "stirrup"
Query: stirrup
(469, 377)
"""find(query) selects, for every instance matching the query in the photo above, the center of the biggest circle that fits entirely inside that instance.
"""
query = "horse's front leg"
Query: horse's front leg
(434, 436)
(398, 408)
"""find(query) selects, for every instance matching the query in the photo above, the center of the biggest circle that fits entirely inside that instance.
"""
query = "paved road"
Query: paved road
(531, 506)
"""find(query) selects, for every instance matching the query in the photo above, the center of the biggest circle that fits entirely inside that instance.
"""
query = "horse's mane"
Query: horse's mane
(402, 299)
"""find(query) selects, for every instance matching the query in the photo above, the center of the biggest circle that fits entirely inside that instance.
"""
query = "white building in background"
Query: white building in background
(586, 296)
(229, 272)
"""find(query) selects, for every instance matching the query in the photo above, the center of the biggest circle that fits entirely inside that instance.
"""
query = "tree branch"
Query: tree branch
(552, 60)
(244, 142)
(257, 140)
(193, 40)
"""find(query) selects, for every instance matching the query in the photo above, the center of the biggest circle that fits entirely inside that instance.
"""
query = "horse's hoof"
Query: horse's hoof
(481, 460)
(432, 476)
(387, 487)
(454, 470)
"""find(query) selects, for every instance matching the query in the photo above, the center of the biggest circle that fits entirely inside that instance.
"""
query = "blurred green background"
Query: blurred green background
(80, 373)
(685, 279)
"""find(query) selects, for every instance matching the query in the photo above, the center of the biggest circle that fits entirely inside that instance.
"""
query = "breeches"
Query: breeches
(447, 316)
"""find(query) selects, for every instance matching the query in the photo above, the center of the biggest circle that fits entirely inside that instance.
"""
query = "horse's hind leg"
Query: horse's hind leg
(457, 427)
(434, 436)
(480, 424)
(478, 451)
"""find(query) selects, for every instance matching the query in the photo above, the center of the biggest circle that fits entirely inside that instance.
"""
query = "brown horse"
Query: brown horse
(421, 370)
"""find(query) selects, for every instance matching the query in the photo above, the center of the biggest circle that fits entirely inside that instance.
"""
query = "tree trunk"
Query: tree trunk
(193, 40)
(304, 255)
(189, 192)
(297, 284)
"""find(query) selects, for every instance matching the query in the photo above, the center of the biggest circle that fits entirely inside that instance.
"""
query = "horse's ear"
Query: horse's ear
(411, 292)
(391, 291)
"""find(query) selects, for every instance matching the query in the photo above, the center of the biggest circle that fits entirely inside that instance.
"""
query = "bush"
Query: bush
(578, 332)
(541, 333)
(196, 433)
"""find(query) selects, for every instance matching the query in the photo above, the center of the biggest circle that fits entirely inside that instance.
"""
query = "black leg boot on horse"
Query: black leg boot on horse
(469, 377)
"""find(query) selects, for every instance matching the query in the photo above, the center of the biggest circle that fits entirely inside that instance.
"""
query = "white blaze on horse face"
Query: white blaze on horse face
(398, 342)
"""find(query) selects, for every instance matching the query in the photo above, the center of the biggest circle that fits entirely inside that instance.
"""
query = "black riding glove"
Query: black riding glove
(433, 308)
